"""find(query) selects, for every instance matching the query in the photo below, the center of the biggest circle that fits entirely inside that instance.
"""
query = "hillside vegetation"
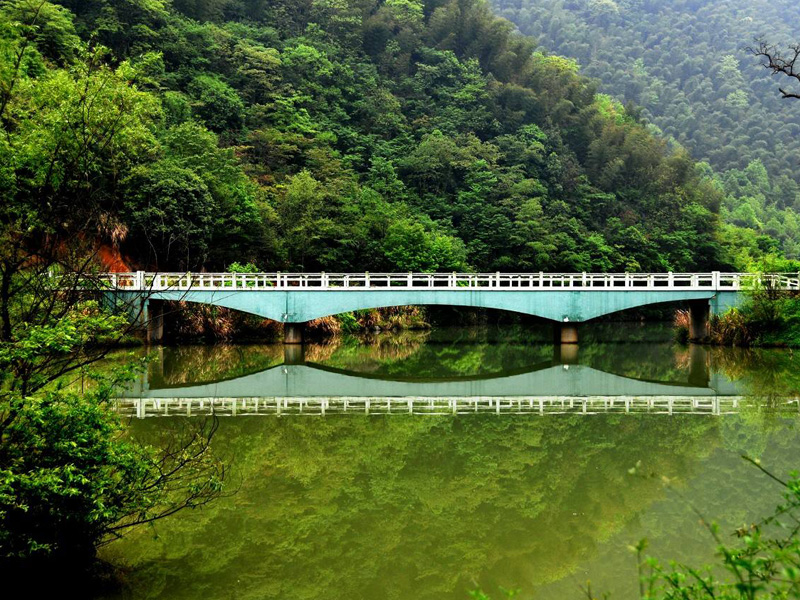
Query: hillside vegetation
(339, 135)
(686, 64)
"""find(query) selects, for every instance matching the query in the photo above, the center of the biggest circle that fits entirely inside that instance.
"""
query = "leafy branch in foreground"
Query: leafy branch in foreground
(72, 480)
(763, 563)
(71, 477)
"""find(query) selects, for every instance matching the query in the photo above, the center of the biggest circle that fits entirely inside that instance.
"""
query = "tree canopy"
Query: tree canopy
(686, 67)
(396, 135)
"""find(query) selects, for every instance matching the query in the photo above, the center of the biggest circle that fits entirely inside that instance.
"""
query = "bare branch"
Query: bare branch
(775, 61)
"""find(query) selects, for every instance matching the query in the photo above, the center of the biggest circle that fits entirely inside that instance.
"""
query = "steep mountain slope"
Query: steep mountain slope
(385, 135)
(685, 63)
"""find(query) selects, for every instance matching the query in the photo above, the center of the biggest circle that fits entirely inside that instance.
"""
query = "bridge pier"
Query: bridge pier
(699, 371)
(699, 314)
(155, 368)
(293, 333)
(565, 333)
(294, 354)
(565, 354)
(154, 320)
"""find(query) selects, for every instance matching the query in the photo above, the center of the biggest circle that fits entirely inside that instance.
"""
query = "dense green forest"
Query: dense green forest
(339, 135)
(686, 66)
(328, 135)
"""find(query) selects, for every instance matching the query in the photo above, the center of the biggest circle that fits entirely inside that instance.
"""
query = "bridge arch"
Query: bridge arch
(556, 305)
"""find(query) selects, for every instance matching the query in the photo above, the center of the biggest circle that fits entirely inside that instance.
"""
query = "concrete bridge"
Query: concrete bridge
(564, 298)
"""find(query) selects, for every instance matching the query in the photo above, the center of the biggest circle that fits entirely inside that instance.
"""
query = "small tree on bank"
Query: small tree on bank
(70, 478)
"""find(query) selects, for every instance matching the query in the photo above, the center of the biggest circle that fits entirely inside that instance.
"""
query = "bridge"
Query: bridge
(548, 388)
(563, 298)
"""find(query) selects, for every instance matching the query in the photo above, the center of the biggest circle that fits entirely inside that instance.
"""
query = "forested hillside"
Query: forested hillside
(338, 135)
(686, 64)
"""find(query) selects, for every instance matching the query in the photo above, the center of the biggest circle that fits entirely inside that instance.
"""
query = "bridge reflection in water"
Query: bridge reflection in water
(165, 407)
(553, 387)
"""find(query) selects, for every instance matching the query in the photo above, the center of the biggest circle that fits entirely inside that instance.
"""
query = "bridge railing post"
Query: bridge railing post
(715, 279)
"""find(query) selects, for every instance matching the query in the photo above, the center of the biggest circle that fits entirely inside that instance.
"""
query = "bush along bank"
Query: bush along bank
(767, 318)
(195, 322)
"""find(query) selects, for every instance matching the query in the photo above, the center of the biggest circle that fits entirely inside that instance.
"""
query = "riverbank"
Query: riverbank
(186, 322)
(189, 322)
(768, 318)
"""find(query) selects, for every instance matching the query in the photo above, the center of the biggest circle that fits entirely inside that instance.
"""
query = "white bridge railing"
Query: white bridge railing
(142, 281)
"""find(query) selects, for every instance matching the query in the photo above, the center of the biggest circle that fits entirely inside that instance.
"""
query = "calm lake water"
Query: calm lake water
(456, 459)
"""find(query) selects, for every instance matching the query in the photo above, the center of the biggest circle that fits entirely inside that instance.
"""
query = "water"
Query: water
(516, 494)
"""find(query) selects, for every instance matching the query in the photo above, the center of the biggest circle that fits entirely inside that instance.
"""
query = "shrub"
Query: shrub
(682, 325)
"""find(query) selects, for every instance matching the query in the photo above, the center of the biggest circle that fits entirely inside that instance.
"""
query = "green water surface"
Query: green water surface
(354, 506)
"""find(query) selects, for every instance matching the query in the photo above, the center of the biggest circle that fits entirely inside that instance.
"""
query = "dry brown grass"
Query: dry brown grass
(324, 326)
(208, 363)
(731, 329)
(321, 351)
(393, 318)
(683, 319)
(397, 346)
(188, 319)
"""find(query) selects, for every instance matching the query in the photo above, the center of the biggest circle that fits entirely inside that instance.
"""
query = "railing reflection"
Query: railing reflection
(561, 385)
(522, 405)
